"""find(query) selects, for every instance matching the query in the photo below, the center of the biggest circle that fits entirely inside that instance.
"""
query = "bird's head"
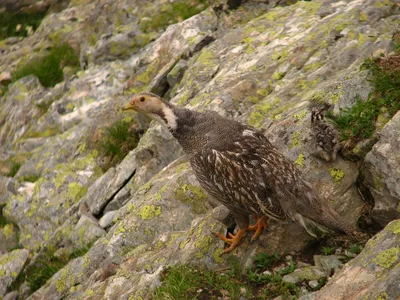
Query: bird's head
(154, 107)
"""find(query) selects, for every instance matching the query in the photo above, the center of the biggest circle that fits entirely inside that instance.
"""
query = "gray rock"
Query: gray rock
(11, 296)
(373, 273)
(381, 173)
(11, 265)
(329, 262)
(107, 220)
(86, 232)
(176, 74)
(306, 274)
(8, 238)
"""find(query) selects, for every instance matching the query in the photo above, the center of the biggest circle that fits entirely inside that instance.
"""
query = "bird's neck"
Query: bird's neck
(188, 127)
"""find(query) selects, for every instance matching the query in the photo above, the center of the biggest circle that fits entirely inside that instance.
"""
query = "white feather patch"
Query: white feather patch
(170, 117)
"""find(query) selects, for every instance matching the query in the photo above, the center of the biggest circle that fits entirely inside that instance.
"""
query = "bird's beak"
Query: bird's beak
(130, 106)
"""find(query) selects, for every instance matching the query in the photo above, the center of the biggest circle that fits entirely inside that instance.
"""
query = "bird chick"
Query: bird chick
(325, 135)
(238, 166)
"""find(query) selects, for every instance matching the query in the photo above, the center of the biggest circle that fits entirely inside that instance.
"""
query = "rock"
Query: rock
(5, 78)
(11, 265)
(306, 274)
(329, 262)
(11, 296)
(381, 173)
(313, 284)
(176, 74)
(107, 220)
(86, 232)
(8, 238)
(8, 187)
(373, 273)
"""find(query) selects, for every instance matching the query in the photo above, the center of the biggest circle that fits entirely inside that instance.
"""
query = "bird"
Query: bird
(325, 135)
(238, 166)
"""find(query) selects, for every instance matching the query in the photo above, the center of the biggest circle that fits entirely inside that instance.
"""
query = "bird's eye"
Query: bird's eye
(142, 99)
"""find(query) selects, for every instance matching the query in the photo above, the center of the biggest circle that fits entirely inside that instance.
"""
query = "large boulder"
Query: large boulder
(382, 174)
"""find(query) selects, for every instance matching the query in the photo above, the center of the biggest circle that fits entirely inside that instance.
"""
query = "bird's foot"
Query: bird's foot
(261, 224)
(233, 240)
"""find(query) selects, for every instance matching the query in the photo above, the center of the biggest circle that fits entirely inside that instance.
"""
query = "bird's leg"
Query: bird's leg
(233, 240)
(261, 224)
(242, 220)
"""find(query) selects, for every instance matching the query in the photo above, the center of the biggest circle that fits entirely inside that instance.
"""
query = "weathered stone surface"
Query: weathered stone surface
(8, 238)
(382, 173)
(306, 274)
(10, 266)
(329, 262)
(372, 274)
(107, 219)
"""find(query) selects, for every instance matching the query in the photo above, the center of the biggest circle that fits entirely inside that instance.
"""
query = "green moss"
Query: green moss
(49, 68)
(148, 212)
(387, 258)
(300, 160)
(193, 195)
(336, 174)
(19, 24)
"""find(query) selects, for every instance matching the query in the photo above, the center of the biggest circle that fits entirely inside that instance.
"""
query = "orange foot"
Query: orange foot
(233, 240)
(261, 224)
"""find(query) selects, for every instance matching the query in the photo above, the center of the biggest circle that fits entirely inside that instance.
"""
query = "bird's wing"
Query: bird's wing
(237, 172)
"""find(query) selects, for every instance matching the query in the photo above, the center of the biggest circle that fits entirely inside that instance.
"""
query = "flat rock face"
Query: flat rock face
(373, 274)
(382, 172)
(259, 63)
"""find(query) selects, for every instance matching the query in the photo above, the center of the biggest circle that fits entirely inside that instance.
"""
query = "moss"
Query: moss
(336, 174)
(148, 212)
(300, 160)
(193, 195)
(387, 258)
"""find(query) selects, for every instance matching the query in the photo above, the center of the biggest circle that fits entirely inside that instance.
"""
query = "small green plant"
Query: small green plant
(118, 140)
(328, 250)
(265, 261)
(356, 249)
(15, 166)
(19, 24)
(173, 13)
(45, 267)
(49, 67)
(359, 121)
(29, 178)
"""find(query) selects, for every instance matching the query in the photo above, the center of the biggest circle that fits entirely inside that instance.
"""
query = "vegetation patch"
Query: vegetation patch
(360, 121)
(258, 282)
(49, 68)
(172, 13)
(116, 142)
(45, 267)
(19, 24)
(3, 220)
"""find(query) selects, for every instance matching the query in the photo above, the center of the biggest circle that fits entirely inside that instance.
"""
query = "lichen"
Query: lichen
(203, 244)
(217, 255)
(336, 174)
(296, 139)
(148, 212)
(8, 230)
(387, 258)
(300, 160)
(193, 195)
(257, 116)
(394, 227)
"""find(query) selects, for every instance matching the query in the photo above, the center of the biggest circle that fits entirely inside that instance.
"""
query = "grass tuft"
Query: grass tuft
(360, 121)
(49, 68)
(15, 166)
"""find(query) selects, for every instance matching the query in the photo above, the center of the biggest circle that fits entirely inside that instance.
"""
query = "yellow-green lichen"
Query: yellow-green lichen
(387, 258)
(61, 282)
(383, 296)
(76, 191)
(336, 174)
(257, 116)
(300, 160)
(217, 255)
(296, 139)
(148, 212)
(394, 227)
(193, 195)
(203, 244)
(8, 230)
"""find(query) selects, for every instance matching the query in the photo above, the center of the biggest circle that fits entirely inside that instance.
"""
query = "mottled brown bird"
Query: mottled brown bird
(239, 167)
(325, 135)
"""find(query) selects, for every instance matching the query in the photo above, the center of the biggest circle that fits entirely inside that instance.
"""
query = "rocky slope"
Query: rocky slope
(116, 220)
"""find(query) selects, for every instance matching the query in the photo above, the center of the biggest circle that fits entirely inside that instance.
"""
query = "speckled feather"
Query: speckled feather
(325, 135)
